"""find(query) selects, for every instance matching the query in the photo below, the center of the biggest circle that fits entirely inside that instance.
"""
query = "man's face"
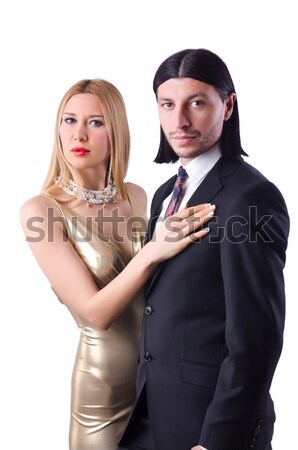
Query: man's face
(191, 114)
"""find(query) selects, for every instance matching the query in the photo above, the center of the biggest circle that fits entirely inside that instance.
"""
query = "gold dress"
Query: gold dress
(104, 373)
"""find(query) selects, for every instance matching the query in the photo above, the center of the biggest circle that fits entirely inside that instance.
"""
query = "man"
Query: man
(213, 324)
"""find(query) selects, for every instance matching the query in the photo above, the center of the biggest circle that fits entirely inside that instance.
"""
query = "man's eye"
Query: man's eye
(167, 105)
(197, 103)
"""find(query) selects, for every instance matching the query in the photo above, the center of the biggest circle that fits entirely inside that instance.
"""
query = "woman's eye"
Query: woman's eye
(70, 120)
(96, 123)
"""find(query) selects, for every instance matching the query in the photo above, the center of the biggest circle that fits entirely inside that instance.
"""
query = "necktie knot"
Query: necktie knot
(182, 175)
(177, 192)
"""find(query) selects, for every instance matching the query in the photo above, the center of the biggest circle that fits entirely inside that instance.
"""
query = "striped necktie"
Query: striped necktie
(177, 193)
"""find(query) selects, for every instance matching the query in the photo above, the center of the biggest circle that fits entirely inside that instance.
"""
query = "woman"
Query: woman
(91, 228)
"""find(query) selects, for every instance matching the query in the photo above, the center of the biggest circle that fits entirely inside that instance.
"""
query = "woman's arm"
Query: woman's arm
(71, 279)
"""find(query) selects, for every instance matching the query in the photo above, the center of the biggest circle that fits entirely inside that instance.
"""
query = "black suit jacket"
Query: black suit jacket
(213, 332)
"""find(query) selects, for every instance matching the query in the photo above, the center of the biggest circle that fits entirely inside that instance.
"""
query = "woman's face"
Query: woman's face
(83, 133)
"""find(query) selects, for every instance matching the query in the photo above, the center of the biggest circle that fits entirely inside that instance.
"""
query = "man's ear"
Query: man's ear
(229, 105)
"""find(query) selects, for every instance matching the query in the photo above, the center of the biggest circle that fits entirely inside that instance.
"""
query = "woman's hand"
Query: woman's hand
(178, 231)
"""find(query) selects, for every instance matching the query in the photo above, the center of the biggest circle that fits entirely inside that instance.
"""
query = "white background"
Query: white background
(45, 48)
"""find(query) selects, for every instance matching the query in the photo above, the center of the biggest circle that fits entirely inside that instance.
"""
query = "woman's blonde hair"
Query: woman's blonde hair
(115, 118)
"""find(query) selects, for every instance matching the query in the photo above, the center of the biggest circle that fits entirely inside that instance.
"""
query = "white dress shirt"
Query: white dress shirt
(197, 169)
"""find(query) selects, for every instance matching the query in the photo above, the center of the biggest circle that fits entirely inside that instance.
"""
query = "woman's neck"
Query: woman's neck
(95, 180)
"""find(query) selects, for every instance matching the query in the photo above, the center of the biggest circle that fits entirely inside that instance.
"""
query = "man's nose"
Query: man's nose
(181, 119)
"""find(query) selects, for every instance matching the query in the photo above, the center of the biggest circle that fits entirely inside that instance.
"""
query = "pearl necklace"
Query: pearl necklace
(91, 196)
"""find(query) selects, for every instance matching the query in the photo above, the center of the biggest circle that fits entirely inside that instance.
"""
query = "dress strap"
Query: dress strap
(139, 220)
(136, 207)
(55, 203)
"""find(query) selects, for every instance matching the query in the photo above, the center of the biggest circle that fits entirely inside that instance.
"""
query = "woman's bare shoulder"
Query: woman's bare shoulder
(35, 206)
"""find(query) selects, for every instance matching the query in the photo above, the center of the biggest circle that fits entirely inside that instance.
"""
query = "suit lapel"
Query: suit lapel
(206, 191)
(162, 193)
(212, 183)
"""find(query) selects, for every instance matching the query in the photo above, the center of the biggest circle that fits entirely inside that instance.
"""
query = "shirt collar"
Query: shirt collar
(200, 166)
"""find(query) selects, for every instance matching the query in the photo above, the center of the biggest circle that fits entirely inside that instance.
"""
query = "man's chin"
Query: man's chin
(187, 154)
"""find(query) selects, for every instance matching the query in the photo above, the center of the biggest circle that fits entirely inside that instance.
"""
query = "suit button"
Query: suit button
(147, 357)
(148, 310)
(252, 443)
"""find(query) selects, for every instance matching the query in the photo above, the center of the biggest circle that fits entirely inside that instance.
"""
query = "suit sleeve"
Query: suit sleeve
(252, 253)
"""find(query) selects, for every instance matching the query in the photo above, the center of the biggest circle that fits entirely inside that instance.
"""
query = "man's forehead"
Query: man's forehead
(187, 88)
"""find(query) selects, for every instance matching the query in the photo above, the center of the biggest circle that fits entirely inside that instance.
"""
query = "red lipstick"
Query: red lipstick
(80, 151)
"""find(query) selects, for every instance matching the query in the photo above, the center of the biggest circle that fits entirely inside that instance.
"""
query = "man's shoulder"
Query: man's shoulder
(252, 171)
(243, 176)
(250, 186)
(240, 167)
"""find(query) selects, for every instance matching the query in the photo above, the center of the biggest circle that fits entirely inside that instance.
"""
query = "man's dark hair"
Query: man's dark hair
(205, 66)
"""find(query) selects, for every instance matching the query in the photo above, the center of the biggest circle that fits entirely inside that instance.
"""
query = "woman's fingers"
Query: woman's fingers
(180, 230)
(201, 217)
(198, 234)
(191, 219)
(193, 237)
(192, 210)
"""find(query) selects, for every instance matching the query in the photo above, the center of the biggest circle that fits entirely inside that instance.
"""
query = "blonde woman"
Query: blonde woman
(86, 231)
